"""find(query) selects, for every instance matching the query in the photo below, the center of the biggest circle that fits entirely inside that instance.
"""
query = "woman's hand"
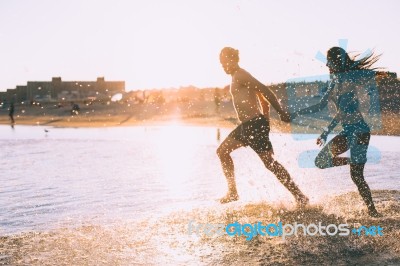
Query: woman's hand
(321, 140)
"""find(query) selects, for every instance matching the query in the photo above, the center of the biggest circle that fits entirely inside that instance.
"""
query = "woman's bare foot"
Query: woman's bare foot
(229, 197)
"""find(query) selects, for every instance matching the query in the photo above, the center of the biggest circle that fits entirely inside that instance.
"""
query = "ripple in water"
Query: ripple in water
(124, 196)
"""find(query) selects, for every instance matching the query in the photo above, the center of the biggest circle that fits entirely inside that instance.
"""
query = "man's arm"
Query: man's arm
(266, 92)
(264, 104)
(270, 96)
(250, 82)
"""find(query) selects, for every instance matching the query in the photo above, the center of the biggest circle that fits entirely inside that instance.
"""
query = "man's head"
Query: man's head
(229, 58)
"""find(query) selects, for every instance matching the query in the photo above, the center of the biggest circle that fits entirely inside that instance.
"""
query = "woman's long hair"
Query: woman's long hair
(340, 58)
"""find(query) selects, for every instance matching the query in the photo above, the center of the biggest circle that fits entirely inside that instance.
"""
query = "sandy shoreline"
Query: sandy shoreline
(199, 114)
(391, 125)
(114, 121)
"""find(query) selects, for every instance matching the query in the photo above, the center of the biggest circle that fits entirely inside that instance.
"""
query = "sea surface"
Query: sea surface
(126, 195)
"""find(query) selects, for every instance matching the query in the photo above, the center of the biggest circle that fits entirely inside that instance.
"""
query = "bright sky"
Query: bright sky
(162, 44)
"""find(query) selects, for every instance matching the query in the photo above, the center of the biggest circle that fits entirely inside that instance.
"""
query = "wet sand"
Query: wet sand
(166, 241)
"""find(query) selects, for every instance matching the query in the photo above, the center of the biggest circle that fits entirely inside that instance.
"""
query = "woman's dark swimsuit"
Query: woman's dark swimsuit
(357, 134)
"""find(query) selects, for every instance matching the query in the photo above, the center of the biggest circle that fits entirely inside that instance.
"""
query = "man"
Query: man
(247, 92)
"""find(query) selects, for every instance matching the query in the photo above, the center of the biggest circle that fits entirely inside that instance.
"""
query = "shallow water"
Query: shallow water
(125, 195)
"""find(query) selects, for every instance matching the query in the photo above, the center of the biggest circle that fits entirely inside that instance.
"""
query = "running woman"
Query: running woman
(346, 75)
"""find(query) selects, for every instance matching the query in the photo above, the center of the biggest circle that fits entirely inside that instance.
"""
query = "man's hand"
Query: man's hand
(285, 117)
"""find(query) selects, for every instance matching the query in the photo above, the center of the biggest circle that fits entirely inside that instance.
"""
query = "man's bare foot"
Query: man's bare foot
(229, 197)
(302, 201)
(374, 213)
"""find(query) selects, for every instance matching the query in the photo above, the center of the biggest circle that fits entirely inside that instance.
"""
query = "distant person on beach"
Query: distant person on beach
(346, 75)
(247, 95)
(11, 113)
(75, 108)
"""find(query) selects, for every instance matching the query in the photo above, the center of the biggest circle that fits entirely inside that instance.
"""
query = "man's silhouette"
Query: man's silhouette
(247, 95)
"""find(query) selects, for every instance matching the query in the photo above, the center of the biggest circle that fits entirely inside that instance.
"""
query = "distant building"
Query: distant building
(58, 90)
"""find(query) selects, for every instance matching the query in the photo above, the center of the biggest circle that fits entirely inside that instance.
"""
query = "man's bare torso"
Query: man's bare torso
(244, 97)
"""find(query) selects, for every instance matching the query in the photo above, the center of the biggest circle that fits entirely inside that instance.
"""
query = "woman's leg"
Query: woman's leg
(357, 175)
(358, 150)
(327, 157)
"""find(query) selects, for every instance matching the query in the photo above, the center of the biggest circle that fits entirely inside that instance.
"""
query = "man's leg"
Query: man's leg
(224, 154)
(283, 176)
(327, 157)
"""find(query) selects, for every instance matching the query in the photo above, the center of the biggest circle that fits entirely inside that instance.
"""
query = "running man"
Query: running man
(247, 95)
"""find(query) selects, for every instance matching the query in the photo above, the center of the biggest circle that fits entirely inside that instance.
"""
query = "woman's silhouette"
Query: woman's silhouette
(347, 74)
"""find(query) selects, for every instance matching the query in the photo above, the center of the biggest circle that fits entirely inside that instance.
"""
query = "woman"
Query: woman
(346, 75)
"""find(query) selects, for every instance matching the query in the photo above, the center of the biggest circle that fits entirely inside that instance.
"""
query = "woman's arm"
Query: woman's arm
(322, 138)
(319, 106)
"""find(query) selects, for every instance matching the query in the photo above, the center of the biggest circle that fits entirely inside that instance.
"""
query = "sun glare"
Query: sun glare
(175, 148)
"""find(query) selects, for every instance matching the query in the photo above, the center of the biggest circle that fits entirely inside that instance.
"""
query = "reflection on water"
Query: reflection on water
(125, 195)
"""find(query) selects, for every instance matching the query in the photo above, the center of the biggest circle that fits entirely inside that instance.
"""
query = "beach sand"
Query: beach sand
(167, 240)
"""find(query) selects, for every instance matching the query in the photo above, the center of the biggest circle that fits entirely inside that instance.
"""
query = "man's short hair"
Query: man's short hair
(229, 53)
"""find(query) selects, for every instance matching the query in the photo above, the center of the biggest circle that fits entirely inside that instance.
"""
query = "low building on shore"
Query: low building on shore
(58, 90)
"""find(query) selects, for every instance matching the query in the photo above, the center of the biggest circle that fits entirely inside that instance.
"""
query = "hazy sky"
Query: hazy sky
(159, 44)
